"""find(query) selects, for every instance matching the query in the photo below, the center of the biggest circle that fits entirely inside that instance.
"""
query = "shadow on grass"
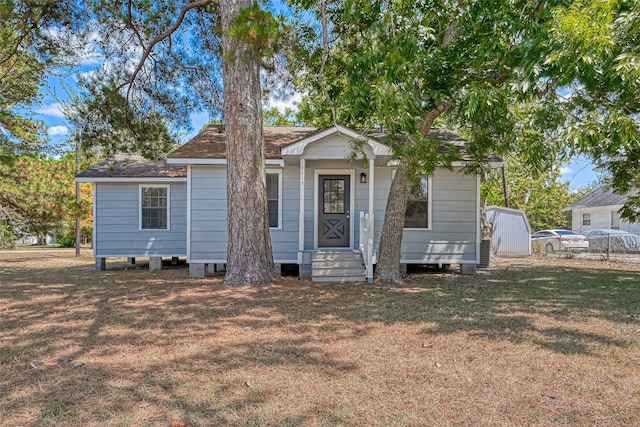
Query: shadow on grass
(150, 323)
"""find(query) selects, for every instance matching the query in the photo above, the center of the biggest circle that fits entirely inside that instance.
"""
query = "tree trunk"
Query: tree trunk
(249, 252)
(388, 267)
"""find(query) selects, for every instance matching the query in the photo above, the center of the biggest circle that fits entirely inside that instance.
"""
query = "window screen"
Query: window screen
(154, 208)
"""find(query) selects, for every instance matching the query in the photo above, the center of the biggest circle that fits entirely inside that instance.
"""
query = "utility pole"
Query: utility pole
(78, 143)
(505, 187)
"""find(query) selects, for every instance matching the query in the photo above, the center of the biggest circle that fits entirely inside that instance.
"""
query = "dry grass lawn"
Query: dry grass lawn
(532, 343)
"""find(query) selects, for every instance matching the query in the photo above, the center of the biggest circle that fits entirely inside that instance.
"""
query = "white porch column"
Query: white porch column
(301, 212)
(371, 185)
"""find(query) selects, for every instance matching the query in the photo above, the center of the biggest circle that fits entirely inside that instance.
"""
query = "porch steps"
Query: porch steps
(337, 266)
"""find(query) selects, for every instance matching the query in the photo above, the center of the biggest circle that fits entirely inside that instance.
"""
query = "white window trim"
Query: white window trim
(429, 203)
(153, 185)
(586, 216)
(279, 173)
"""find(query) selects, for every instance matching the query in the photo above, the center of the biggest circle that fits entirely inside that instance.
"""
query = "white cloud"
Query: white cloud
(57, 130)
(291, 103)
(565, 170)
(53, 110)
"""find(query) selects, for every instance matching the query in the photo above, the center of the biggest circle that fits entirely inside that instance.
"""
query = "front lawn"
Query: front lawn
(537, 343)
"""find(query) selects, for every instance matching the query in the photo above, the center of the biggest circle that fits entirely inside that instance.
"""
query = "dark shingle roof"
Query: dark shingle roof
(134, 166)
(210, 143)
(602, 196)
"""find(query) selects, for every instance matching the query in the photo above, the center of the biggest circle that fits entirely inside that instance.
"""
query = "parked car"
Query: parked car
(559, 240)
(603, 239)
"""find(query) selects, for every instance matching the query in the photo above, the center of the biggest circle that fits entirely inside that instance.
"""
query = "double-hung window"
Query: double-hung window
(418, 213)
(274, 196)
(586, 219)
(154, 207)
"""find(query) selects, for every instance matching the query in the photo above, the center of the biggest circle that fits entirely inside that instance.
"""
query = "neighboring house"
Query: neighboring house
(511, 232)
(319, 201)
(33, 240)
(599, 209)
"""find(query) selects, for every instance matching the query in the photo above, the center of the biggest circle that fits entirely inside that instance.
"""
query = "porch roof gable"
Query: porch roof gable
(297, 148)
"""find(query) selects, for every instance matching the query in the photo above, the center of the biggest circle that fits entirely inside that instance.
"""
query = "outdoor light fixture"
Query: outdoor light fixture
(363, 178)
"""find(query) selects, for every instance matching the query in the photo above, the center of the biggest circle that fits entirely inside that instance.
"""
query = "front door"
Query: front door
(333, 211)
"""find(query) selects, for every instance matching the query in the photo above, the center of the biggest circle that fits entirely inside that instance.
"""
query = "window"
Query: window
(586, 219)
(417, 214)
(273, 199)
(154, 208)
(333, 196)
(615, 220)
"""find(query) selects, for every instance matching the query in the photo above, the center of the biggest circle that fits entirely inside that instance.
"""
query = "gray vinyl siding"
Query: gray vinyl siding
(333, 147)
(117, 222)
(208, 231)
(285, 239)
(209, 216)
(453, 236)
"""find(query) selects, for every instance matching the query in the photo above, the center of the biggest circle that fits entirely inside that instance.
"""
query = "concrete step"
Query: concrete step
(337, 266)
(338, 279)
(336, 255)
(337, 271)
(340, 263)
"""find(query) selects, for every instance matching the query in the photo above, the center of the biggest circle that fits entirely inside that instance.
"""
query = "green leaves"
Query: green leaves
(105, 121)
(597, 51)
(42, 195)
(260, 30)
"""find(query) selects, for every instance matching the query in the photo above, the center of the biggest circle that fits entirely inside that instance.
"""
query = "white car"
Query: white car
(560, 240)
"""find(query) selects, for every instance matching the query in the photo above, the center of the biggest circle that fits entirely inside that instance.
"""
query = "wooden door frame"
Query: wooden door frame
(316, 181)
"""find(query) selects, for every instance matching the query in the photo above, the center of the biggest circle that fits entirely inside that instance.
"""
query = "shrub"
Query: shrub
(67, 242)
(7, 238)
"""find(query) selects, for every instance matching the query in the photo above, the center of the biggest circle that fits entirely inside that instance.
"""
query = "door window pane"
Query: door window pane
(333, 196)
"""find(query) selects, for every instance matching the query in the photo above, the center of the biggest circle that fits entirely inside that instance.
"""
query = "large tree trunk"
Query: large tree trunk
(249, 252)
(388, 267)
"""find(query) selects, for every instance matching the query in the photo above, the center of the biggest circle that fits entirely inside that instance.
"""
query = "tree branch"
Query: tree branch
(167, 33)
(431, 115)
(325, 55)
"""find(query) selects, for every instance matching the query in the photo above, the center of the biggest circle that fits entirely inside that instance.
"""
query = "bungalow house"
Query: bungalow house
(599, 209)
(326, 212)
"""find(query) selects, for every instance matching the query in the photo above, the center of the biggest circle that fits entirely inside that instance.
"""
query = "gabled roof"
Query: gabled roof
(211, 142)
(289, 140)
(601, 196)
(297, 148)
(210, 146)
(132, 166)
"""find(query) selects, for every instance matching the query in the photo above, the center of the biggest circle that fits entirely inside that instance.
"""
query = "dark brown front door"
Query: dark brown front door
(333, 211)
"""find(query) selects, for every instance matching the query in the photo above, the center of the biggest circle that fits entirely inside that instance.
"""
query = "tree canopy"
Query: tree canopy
(35, 37)
(40, 196)
(404, 64)
(596, 49)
